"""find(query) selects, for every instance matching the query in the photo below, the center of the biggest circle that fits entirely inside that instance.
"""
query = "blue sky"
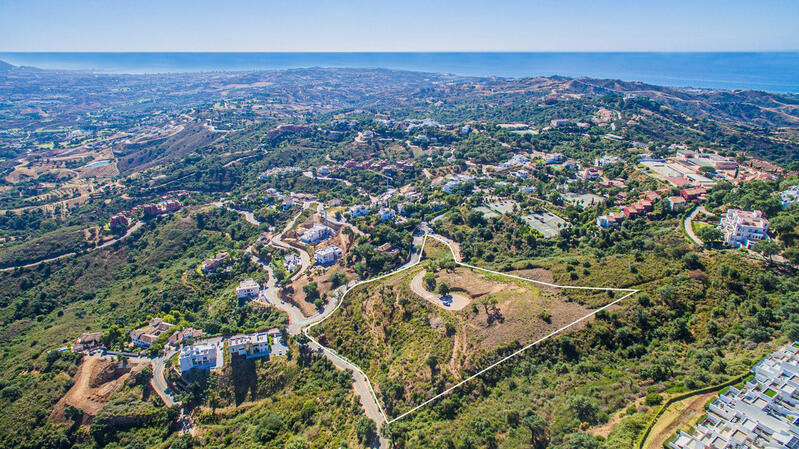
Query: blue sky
(409, 25)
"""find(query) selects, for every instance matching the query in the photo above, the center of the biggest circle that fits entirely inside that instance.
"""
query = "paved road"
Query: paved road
(248, 215)
(689, 229)
(158, 381)
(305, 258)
(458, 301)
(130, 231)
(309, 174)
(299, 322)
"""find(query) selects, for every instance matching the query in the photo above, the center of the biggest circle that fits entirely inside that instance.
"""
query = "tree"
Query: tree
(691, 261)
(709, 235)
(337, 279)
(297, 442)
(430, 281)
(768, 248)
(213, 401)
(580, 441)
(583, 408)
(539, 431)
(73, 414)
(311, 291)
(366, 430)
(443, 289)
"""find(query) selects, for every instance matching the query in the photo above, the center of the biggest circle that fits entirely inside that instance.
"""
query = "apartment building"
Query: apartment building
(316, 233)
(145, 337)
(762, 414)
(328, 255)
(197, 357)
(250, 345)
(248, 289)
(743, 228)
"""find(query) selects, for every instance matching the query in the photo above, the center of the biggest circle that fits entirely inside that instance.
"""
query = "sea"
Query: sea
(769, 71)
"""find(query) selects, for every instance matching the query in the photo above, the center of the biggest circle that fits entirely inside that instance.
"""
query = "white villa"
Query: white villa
(743, 228)
(247, 288)
(316, 233)
(328, 255)
(386, 214)
(790, 196)
(250, 345)
(291, 262)
(197, 357)
(358, 210)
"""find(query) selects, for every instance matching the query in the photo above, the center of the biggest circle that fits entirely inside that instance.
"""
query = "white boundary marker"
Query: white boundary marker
(355, 367)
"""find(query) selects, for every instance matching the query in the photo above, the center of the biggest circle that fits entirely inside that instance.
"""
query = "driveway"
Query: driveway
(689, 228)
(456, 301)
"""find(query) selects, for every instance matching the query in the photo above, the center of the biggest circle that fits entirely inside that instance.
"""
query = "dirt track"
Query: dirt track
(459, 301)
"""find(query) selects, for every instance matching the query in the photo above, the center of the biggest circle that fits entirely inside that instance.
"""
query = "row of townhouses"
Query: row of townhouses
(762, 414)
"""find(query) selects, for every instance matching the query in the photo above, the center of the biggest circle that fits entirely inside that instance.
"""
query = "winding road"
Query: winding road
(299, 323)
(688, 225)
(130, 231)
(158, 381)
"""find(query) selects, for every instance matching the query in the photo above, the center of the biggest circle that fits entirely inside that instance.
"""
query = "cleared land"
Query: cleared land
(411, 349)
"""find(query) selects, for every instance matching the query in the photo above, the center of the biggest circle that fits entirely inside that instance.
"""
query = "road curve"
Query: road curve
(130, 231)
(689, 228)
(458, 302)
(158, 381)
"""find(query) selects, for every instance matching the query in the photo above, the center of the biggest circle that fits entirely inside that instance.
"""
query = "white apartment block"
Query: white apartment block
(743, 228)
(790, 196)
(247, 288)
(197, 357)
(763, 414)
(316, 233)
(250, 345)
(328, 255)
(386, 214)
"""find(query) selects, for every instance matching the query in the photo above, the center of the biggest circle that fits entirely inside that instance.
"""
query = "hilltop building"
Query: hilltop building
(358, 210)
(250, 346)
(316, 233)
(212, 264)
(88, 342)
(386, 214)
(762, 414)
(180, 337)
(790, 196)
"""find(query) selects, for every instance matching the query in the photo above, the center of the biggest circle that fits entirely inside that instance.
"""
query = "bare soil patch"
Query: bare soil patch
(96, 380)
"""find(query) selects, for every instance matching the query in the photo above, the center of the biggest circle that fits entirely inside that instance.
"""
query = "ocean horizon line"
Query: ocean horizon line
(771, 71)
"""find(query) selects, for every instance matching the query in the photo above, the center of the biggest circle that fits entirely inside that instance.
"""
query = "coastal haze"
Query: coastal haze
(775, 71)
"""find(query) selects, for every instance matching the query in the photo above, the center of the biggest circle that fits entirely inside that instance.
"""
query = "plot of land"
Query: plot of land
(451, 301)
(96, 380)
(399, 336)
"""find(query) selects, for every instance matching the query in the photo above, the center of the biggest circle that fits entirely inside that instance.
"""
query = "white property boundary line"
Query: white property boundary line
(305, 330)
